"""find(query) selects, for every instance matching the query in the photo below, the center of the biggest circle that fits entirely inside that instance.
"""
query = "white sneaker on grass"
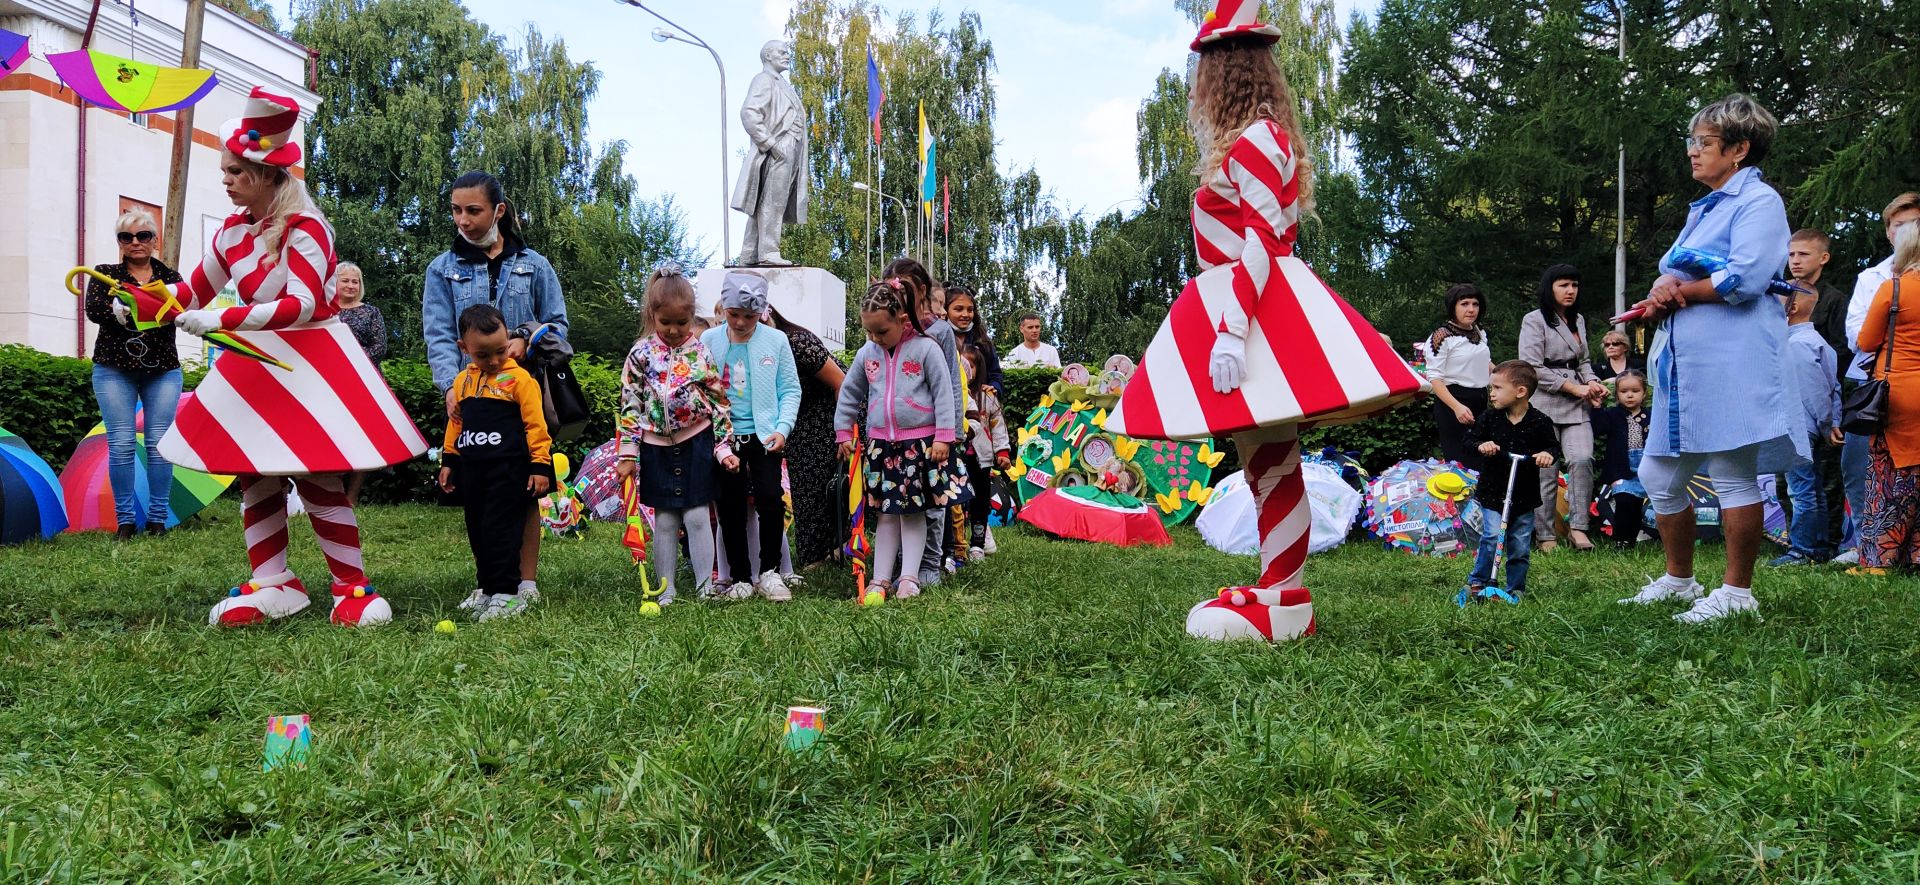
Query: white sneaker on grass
(739, 590)
(977, 554)
(666, 597)
(990, 547)
(475, 603)
(773, 588)
(506, 605)
(1666, 588)
(1721, 603)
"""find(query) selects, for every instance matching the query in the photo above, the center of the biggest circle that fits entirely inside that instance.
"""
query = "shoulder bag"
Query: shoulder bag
(1864, 411)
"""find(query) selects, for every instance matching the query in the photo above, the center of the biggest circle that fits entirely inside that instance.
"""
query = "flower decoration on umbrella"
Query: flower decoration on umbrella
(130, 86)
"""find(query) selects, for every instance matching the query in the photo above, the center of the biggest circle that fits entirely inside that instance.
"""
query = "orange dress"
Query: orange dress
(1903, 376)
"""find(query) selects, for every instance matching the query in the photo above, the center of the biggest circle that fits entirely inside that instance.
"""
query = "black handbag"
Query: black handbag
(566, 404)
(1864, 411)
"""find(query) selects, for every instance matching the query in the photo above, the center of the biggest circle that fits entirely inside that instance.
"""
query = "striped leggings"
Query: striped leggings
(263, 509)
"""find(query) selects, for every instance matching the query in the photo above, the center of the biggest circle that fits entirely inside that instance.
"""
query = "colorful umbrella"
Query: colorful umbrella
(598, 486)
(154, 306)
(30, 499)
(636, 540)
(1404, 510)
(134, 87)
(857, 548)
(13, 52)
(89, 495)
(1090, 513)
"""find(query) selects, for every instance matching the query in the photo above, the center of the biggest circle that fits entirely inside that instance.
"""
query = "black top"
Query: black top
(511, 245)
(989, 357)
(1603, 368)
(369, 328)
(1611, 429)
(120, 347)
(1830, 318)
(1531, 435)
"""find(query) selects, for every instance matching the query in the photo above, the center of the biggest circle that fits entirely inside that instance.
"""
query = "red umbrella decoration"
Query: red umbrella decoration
(1091, 513)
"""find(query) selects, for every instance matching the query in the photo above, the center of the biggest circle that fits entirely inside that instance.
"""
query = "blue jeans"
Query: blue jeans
(121, 394)
(1519, 551)
(1813, 531)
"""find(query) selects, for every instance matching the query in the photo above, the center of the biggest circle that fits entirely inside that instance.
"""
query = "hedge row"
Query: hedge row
(50, 404)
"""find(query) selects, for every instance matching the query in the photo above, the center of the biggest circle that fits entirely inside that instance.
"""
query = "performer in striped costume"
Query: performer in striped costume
(332, 413)
(1257, 347)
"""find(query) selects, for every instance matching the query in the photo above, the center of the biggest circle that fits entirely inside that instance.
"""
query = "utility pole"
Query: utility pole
(182, 142)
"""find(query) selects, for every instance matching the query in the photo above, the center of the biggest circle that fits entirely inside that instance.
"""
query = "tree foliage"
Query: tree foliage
(414, 92)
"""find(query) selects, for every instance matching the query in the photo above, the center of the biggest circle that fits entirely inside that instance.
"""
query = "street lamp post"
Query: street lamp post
(662, 35)
(906, 227)
(1620, 216)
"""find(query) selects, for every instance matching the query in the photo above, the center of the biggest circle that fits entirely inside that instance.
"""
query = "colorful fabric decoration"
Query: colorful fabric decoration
(13, 52)
(1090, 513)
(129, 86)
(561, 510)
(1404, 512)
(89, 496)
(154, 306)
(857, 548)
(31, 502)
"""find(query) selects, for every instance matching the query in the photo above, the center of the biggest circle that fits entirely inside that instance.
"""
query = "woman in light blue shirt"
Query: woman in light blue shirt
(1719, 378)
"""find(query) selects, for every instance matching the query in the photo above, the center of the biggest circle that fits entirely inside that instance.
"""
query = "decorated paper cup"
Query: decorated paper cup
(803, 726)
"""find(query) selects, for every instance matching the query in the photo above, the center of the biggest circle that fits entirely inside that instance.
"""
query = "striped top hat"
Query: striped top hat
(265, 134)
(1234, 18)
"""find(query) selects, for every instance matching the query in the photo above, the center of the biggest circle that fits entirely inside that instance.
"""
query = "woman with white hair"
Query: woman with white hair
(1718, 361)
(1890, 531)
(134, 372)
(329, 414)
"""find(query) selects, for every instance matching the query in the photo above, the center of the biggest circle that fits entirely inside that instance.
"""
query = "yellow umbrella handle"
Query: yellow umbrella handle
(80, 291)
(165, 292)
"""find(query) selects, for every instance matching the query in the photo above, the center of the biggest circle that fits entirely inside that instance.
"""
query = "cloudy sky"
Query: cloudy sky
(1071, 75)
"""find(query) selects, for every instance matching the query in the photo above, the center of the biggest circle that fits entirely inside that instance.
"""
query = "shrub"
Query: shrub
(1024, 388)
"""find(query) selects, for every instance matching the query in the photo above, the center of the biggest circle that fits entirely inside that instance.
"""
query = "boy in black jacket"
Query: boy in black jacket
(1510, 425)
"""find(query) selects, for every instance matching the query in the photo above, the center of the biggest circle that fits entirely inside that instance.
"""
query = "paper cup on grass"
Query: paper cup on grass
(803, 726)
(289, 739)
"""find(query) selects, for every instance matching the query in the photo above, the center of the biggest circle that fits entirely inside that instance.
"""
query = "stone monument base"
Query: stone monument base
(809, 296)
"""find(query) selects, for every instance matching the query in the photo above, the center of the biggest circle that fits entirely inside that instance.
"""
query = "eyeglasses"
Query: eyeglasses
(1701, 142)
(145, 236)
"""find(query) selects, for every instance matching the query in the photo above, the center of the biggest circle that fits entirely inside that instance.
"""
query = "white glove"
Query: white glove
(123, 313)
(1229, 363)
(199, 322)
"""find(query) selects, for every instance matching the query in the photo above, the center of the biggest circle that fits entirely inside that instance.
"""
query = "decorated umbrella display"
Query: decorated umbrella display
(13, 51)
(134, 87)
(1091, 513)
(1229, 521)
(1345, 465)
(1774, 514)
(596, 484)
(1424, 507)
(30, 499)
(1336, 505)
(89, 495)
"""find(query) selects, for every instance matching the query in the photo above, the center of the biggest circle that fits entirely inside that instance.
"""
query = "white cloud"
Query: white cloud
(1104, 143)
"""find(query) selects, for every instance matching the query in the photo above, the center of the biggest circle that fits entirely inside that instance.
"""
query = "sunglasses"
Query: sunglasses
(145, 236)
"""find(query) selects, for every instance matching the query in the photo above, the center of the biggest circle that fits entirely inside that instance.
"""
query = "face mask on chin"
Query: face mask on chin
(486, 242)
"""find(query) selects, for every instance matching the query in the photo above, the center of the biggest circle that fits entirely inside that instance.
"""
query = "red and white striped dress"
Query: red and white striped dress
(332, 414)
(1311, 358)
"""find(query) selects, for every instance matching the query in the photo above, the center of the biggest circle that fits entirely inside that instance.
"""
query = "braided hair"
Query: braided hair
(888, 296)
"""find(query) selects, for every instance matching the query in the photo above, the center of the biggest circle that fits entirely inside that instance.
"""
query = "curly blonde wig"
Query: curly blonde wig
(1236, 84)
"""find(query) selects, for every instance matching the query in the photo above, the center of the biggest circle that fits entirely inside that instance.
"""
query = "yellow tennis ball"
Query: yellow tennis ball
(874, 598)
(649, 609)
(444, 627)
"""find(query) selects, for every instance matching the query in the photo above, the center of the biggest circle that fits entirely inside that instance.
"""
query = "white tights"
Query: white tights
(666, 544)
(899, 537)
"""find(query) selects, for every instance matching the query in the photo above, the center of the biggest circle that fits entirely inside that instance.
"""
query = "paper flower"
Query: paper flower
(1081, 405)
(1100, 419)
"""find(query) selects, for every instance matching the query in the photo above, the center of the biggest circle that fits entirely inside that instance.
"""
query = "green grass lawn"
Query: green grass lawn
(1041, 718)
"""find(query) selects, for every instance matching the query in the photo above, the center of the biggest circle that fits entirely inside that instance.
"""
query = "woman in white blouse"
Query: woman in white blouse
(1458, 362)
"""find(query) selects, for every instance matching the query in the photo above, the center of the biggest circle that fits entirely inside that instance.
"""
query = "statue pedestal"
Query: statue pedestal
(809, 296)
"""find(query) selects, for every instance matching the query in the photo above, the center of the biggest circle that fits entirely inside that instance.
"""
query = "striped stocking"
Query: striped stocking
(263, 510)
(334, 526)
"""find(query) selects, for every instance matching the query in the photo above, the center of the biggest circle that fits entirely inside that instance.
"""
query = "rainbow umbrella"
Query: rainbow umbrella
(90, 496)
(13, 52)
(154, 306)
(30, 499)
(134, 87)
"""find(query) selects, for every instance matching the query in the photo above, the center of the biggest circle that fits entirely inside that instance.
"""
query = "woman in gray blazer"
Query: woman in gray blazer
(1554, 340)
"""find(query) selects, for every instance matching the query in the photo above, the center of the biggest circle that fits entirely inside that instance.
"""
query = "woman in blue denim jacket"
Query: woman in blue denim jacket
(489, 264)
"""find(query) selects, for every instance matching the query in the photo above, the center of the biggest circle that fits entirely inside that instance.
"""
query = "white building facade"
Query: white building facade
(60, 197)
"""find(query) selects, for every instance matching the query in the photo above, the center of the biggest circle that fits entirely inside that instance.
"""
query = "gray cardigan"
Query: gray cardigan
(1560, 356)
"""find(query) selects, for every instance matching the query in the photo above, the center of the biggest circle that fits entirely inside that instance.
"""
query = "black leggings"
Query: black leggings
(982, 505)
(759, 476)
(1629, 517)
(1452, 433)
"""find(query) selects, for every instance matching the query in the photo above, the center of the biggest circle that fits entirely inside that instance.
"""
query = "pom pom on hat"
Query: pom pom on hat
(265, 134)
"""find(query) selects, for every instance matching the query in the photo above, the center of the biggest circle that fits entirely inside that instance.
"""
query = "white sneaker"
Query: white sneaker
(505, 605)
(474, 603)
(953, 568)
(1851, 557)
(773, 588)
(991, 547)
(793, 581)
(740, 590)
(1719, 604)
(977, 554)
(1661, 590)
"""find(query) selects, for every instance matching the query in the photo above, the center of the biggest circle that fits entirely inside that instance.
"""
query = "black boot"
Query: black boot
(125, 532)
(156, 529)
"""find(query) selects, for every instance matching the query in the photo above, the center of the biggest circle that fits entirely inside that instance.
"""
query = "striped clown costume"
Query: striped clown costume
(331, 413)
(1309, 359)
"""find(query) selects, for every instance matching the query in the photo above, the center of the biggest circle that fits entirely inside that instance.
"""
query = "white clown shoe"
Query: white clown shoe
(257, 602)
(357, 605)
(1253, 613)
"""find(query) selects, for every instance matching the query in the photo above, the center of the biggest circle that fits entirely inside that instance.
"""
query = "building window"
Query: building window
(140, 120)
